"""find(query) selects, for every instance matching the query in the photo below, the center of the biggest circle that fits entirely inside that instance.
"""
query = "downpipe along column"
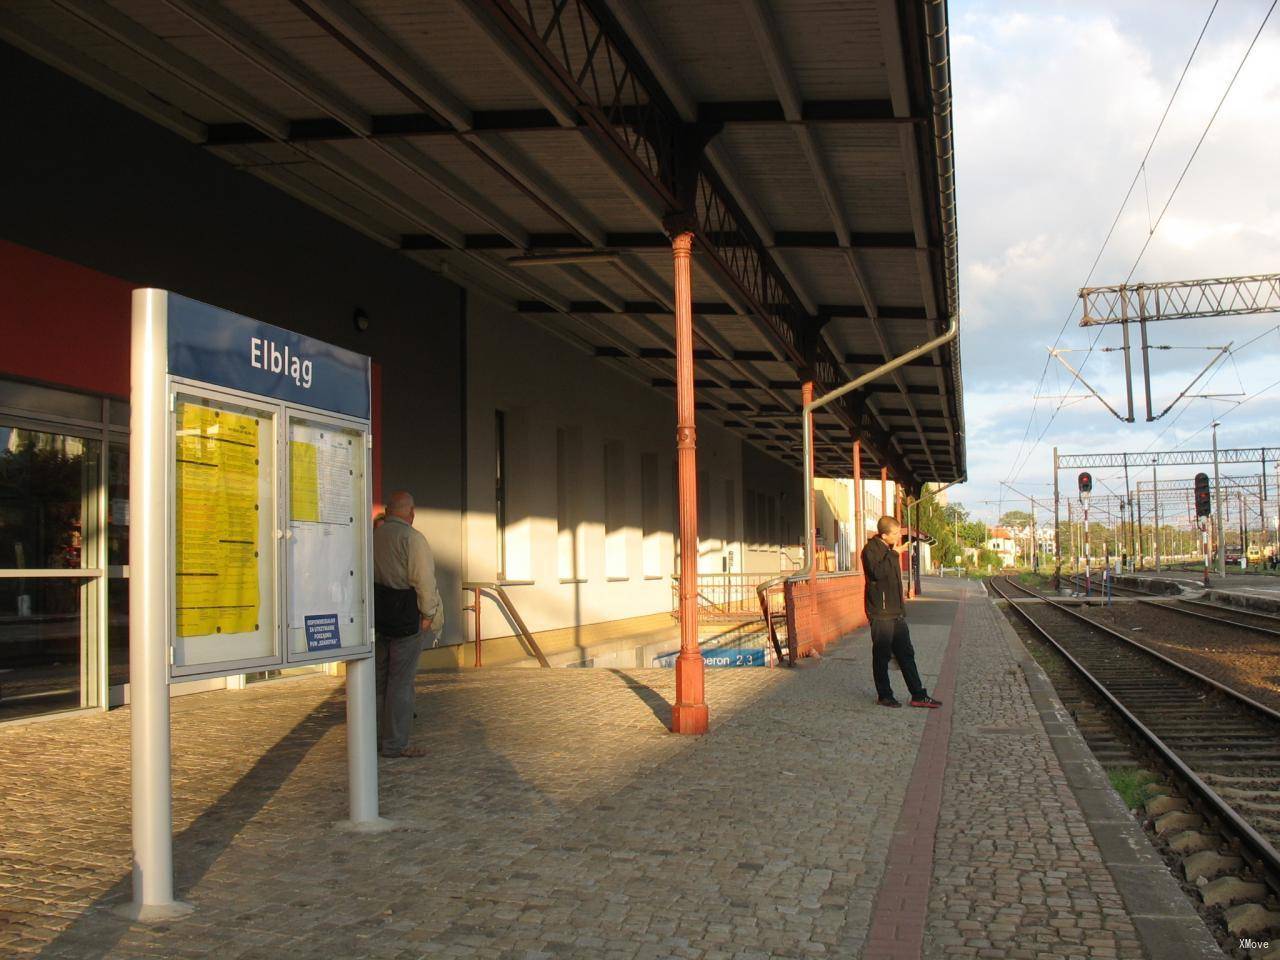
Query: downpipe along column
(689, 714)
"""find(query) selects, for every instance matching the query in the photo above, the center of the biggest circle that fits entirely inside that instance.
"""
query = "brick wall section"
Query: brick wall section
(820, 615)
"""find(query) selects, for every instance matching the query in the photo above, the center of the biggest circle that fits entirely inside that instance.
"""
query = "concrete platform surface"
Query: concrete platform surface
(555, 817)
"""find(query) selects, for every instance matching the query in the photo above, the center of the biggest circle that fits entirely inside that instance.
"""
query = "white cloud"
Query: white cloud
(1054, 110)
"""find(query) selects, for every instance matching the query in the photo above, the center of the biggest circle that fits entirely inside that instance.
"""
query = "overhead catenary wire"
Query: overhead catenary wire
(1021, 460)
(1018, 461)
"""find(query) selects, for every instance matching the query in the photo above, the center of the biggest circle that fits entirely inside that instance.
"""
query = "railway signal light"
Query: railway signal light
(1085, 481)
(1203, 507)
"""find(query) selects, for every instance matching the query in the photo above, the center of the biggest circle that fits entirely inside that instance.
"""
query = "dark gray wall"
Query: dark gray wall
(87, 180)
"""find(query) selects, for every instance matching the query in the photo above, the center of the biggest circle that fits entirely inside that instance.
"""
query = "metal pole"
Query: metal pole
(362, 747)
(151, 777)
(1035, 553)
(952, 331)
(1128, 363)
(476, 601)
(1128, 496)
(1137, 504)
(811, 534)
(1071, 536)
(1155, 516)
(1244, 529)
(1146, 355)
(1217, 496)
(859, 521)
(689, 715)
(1057, 527)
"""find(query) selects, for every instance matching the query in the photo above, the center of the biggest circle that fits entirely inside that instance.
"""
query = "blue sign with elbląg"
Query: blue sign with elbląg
(213, 345)
(322, 632)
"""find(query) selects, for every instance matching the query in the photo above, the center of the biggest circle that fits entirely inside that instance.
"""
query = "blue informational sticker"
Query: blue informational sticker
(213, 345)
(322, 632)
(718, 658)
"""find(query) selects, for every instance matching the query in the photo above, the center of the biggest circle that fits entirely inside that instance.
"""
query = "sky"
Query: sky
(1055, 105)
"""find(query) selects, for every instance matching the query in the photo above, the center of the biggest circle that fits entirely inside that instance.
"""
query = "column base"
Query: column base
(153, 912)
(689, 718)
(376, 825)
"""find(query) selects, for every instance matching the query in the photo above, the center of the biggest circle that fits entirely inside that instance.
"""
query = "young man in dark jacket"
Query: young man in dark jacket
(889, 634)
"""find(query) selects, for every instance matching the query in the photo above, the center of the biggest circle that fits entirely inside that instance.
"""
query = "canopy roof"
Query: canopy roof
(543, 152)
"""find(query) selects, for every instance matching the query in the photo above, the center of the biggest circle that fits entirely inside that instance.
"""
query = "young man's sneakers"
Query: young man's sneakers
(888, 702)
(927, 702)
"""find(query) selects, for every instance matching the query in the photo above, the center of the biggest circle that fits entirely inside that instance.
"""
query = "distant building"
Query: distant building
(1001, 541)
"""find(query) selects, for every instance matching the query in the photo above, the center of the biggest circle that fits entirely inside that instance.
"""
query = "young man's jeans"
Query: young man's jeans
(892, 639)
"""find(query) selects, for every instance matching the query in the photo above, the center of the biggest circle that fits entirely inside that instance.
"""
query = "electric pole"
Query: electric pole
(1217, 498)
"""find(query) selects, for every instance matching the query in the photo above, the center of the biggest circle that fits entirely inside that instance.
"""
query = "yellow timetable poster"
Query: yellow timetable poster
(217, 522)
(304, 482)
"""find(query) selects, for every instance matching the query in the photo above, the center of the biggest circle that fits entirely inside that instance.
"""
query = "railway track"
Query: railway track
(1222, 614)
(1097, 587)
(1222, 746)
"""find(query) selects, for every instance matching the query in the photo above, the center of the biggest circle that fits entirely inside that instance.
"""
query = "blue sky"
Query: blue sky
(1055, 104)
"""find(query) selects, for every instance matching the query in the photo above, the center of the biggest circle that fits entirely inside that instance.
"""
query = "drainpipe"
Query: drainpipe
(806, 418)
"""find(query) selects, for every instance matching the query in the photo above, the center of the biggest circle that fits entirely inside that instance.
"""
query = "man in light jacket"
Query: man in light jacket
(889, 634)
(406, 606)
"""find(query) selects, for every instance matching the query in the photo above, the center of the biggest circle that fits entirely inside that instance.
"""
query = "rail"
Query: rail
(723, 596)
(499, 596)
(771, 595)
(1258, 847)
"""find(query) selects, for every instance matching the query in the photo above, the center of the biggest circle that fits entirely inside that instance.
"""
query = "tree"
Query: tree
(1015, 518)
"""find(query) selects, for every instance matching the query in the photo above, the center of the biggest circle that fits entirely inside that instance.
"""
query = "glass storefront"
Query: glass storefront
(63, 550)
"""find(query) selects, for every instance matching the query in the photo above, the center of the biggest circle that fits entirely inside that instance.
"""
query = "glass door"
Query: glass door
(50, 578)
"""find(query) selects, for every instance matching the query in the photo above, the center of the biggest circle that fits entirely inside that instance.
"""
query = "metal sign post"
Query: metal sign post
(250, 548)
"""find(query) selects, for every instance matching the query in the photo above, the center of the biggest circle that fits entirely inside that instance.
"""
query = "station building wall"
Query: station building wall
(590, 500)
(98, 201)
(97, 186)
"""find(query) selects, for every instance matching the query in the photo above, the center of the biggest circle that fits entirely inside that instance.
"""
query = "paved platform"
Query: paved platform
(1253, 583)
(556, 817)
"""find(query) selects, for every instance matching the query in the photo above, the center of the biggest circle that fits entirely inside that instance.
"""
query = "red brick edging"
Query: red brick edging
(897, 922)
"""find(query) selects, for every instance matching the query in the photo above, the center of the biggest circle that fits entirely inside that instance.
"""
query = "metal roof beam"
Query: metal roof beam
(352, 27)
(768, 40)
(641, 240)
(28, 37)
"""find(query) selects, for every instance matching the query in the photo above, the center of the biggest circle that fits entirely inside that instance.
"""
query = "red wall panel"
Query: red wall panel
(817, 617)
(63, 324)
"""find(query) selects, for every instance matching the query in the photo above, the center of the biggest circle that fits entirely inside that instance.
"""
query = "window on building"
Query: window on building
(771, 520)
(730, 534)
(749, 532)
(569, 558)
(500, 488)
(650, 514)
(615, 509)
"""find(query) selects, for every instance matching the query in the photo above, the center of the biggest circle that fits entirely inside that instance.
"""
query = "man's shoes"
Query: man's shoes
(888, 702)
(927, 702)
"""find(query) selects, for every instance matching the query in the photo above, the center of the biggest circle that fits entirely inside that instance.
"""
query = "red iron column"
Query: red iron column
(811, 537)
(689, 715)
(884, 493)
(859, 522)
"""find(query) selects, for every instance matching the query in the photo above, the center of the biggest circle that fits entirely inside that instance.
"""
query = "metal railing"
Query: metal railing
(499, 596)
(772, 597)
(723, 596)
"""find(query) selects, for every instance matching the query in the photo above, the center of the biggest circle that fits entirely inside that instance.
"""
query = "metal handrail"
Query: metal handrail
(762, 594)
(478, 588)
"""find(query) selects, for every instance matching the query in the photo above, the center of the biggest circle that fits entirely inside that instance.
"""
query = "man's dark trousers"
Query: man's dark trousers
(892, 639)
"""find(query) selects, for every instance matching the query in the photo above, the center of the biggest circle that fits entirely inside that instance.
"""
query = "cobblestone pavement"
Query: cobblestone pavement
(1017, 873)
(554, 817)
